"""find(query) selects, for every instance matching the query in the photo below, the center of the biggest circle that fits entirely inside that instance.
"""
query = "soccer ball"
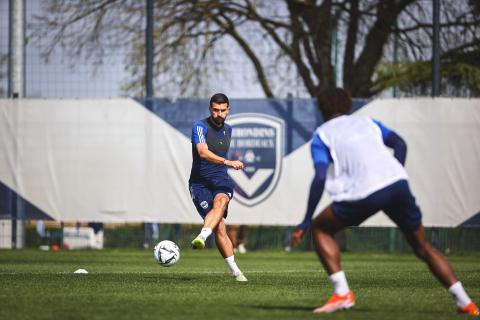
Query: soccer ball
(166, 253)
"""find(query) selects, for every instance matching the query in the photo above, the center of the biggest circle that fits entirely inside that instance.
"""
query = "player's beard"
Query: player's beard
(218, 121)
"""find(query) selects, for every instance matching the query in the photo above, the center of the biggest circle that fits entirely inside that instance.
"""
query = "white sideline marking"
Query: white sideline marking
(174, 272)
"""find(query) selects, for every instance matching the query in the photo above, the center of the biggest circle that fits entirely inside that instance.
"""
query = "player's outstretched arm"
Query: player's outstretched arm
(208, 155)
(398, 145)
(235, 164)
(315, 194)
(205, 154)
(394, 141)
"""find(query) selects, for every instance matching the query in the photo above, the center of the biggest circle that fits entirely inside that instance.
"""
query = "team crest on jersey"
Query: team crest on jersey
(204, 204)
(257, 141)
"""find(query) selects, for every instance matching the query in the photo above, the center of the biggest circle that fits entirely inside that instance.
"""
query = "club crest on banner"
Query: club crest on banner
(257, 140)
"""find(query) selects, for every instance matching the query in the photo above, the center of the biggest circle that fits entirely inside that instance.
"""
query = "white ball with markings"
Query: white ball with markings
(166, 253)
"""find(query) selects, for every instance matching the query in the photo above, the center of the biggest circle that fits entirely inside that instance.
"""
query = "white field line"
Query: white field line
(174, 272)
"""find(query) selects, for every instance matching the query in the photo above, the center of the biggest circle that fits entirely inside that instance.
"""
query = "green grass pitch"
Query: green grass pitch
(128, 284)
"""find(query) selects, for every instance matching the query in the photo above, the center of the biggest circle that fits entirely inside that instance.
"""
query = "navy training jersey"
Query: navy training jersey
(218, 142)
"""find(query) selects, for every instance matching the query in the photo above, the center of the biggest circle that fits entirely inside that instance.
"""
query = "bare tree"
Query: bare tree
(293, 36)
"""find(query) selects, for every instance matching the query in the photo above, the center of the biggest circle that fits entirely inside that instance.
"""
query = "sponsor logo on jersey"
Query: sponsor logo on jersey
(257, 141)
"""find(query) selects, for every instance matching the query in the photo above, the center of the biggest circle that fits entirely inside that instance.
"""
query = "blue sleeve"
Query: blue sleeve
(321, 159)
(199, 133)
(316, 191)
(394, 141)
(319, 150)
(385, 131)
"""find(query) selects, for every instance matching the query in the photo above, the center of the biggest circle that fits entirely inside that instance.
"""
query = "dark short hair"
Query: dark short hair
(334, 101)
(219, 98)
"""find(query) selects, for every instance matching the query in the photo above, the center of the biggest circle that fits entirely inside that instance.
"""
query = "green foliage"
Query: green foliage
(415, 78)
(128, 284)
(475, 5)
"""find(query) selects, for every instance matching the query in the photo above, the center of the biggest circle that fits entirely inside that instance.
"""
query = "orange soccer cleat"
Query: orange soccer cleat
(470, 309)
(337, 303)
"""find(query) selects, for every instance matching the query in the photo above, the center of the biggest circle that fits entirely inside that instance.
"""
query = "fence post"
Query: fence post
(392, 235)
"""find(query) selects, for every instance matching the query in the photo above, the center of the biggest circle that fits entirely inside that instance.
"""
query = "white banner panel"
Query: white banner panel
(443, 155)
(115, 161)
(95, 160)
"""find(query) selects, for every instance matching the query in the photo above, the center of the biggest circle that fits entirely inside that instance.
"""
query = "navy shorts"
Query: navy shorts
(203, 194)
(395, 200)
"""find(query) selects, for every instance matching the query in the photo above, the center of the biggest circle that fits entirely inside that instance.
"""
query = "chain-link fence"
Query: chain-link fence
(60, 74)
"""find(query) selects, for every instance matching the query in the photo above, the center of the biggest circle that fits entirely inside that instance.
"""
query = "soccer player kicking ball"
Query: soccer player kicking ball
(210, 186)
(364, 179)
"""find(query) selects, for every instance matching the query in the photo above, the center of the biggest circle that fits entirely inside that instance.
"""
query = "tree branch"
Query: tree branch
(228, 26)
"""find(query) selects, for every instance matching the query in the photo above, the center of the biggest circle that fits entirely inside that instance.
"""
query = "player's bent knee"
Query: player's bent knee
(318, 227)
(220, 201)
(422, 251)
(325, 226)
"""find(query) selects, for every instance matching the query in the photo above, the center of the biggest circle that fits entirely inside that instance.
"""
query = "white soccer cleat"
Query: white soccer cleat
(240, 277)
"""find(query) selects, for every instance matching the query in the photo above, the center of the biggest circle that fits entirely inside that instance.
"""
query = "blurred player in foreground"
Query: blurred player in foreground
(210, 186)
(364, 178)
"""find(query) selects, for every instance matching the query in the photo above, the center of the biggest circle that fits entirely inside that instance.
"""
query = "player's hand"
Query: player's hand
(297, 236)
(235, 164)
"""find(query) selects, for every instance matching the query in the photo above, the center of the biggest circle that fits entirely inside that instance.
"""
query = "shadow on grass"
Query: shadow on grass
(355, 309)
(362, 312)
(166, 277)
(272, 307)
